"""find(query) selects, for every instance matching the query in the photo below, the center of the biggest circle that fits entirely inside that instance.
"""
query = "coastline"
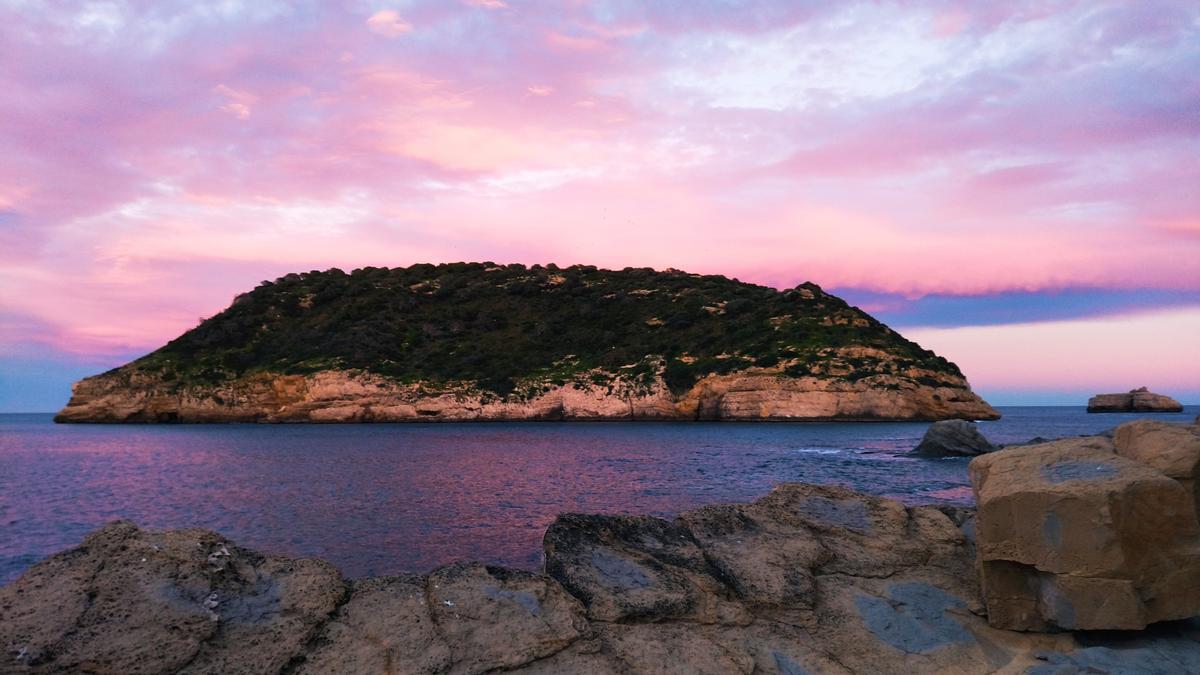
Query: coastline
(806, 579)
(353, 397)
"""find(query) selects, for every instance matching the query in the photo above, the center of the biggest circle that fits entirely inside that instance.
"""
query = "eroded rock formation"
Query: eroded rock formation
(953, 437)
(1136, 400)
(340, 396)
(809, 579)
(1173, 449)
(1072, 535)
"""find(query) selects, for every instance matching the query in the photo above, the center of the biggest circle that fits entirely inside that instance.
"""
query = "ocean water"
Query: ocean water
(387, 498)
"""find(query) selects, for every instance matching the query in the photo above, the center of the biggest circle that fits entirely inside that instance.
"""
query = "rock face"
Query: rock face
(808, 579)
(1173, 449)
(1072, 535)
(339, 396)
(477, 341)
(1137, 400)
(129, 601)
(953, 437)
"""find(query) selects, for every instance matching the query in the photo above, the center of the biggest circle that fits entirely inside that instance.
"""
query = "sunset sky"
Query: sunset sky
(1013, 184)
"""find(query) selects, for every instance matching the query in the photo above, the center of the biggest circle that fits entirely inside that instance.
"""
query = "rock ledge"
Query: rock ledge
(808, 579)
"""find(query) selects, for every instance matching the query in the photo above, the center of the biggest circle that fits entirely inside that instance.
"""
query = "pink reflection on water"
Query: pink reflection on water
(382, 499)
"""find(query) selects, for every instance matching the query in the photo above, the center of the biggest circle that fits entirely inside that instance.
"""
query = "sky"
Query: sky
(1015, 184)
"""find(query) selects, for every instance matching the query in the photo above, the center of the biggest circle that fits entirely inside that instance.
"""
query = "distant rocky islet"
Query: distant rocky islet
(1140, 400)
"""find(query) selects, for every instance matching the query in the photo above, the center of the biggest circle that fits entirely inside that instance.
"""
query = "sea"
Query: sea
(378, 499)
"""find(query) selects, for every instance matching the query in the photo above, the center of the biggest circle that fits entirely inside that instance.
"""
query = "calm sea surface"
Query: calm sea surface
(381, 499)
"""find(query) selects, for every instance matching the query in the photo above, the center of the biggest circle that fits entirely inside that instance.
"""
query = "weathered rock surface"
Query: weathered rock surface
(385, 626)
(1073, 536)
(953, 437)
(808, 579)
(131, 601)
(1136, 400)
(1173, 449)
(345, 396)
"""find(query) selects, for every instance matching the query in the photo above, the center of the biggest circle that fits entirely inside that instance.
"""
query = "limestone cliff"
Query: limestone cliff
(510, 343)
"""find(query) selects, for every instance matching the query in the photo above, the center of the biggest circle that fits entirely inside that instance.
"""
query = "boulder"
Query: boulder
(953, 437)
(636, 568)
(1136, 400)
(496, 618)
(132, 601)
(1173, 449)
(1071, 535)
(772, 552)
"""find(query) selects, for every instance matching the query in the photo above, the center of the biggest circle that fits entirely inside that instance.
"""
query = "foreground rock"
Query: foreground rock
(808, 579)
(953, 438)
(1173, 449)
(1072, 535)
(1137, 400)
(131, 601)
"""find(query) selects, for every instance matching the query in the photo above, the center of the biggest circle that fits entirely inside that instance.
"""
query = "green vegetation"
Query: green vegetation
(502, 327)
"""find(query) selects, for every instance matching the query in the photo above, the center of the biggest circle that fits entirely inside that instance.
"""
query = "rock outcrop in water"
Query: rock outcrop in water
(953, 437)
(808, 579)
(1136, 400)
(482, 342)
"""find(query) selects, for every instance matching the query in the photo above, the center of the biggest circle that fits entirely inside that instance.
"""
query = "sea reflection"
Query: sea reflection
(381, 499)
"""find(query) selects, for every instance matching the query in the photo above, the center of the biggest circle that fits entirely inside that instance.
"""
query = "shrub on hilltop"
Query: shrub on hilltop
(497, 325)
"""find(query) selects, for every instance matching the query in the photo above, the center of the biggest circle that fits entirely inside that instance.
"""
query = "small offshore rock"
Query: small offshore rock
(953, 437)
(1136, 400)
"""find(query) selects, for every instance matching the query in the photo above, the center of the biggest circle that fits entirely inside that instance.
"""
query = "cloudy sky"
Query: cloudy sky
(1014, 184)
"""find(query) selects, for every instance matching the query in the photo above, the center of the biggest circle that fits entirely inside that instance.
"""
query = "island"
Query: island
(481, 341)
(1140, 400)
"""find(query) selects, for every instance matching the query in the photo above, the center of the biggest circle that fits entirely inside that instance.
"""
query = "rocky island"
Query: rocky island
(478, 341)
(808, 579)
(1137, 400)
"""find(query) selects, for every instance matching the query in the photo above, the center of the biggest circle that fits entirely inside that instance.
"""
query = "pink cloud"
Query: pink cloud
(387, 22)
(584, 43)
(1044, 146)
(950, 22)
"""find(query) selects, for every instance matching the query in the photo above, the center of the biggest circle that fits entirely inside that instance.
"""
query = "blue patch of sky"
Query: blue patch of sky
(1012, 307)
(40, 379)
